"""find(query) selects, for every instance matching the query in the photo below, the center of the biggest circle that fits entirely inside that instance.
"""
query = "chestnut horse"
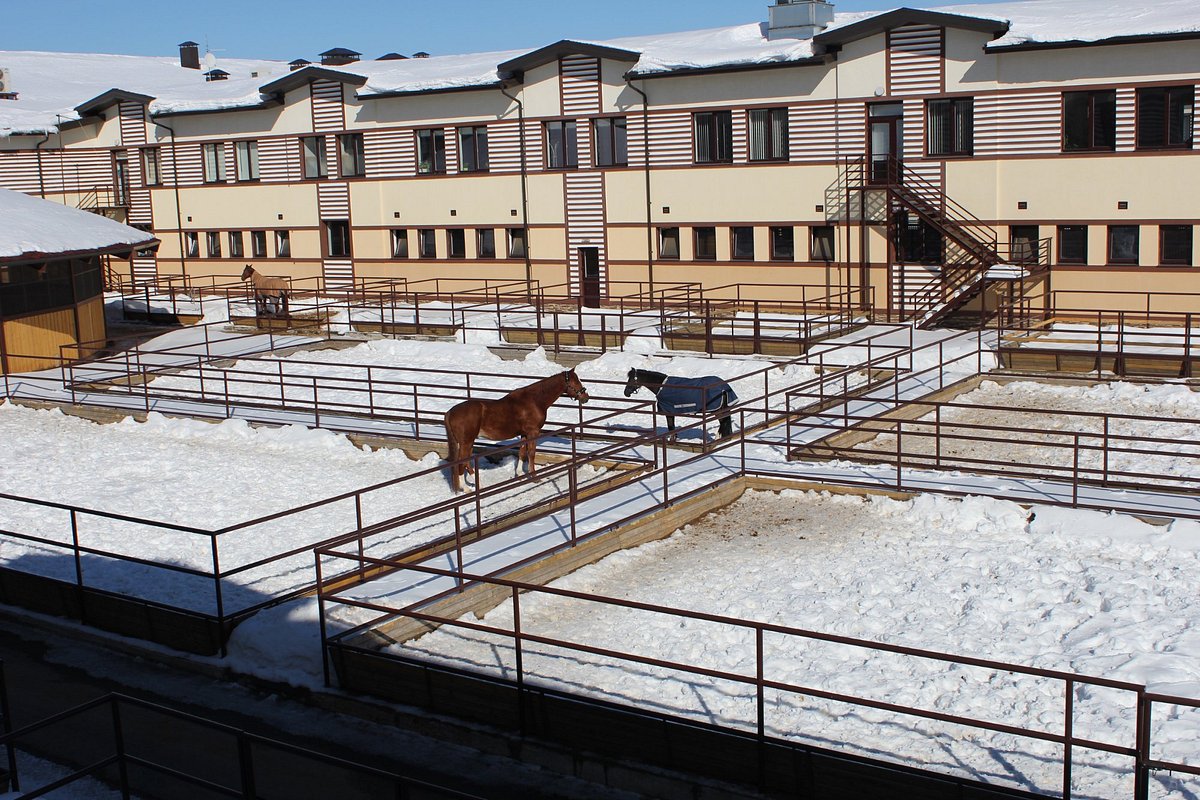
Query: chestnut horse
(270, 294)
(521, 412)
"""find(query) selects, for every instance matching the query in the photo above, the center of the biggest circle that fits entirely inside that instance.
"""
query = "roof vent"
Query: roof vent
(421, 54)
(339, 56)
(799, 19)
(392, 57)
(189, 55)
(216, 74)
(299, 63)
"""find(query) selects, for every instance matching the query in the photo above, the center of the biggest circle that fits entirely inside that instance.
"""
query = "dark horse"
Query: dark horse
(521, 412)
(686, 396)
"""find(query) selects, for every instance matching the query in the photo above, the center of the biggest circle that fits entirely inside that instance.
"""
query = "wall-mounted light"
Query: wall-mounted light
(666, 209)
(396, 214)
(1123, 204)
(819, 209)
(1022, 205)
(454, 212)
(279, 216)
(512, 212)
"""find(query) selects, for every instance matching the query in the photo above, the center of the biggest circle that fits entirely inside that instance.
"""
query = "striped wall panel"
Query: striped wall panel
(741, 137)
(579, 77)
(827, 131)
(185, 167)
(533, 145)
(1025, 122)
(328, 111)
(670, 139)
(19, 171)
(1126, 119)
(77, 170)
(504, 146)
(914, 60)
(331, 155)
(231, 164)
(333, 200)
(585, 221)
(636, 142)
(338, 272)
(451, 150)
(390, 154)
(144, 269)
(583, 129)
(140, 211)
(278, 160)
(133, 124)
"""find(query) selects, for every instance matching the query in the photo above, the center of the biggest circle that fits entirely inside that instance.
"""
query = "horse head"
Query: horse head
(633, 385)
(574, 389)
(247, 272)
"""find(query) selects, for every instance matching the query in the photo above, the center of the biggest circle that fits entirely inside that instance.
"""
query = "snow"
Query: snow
(1051, 589)
(35, 773)
(33, 226)
(1133, 339)
(1044, 21)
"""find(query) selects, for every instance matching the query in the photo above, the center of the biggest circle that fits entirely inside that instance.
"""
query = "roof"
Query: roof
(52, 85)
(340, 51)
(34, 228)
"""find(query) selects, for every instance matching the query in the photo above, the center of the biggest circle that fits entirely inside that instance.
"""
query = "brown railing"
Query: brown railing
(126, 752)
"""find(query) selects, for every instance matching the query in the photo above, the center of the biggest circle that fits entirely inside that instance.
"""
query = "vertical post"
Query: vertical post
(937, 436)
(520, 660)
(573, 484)
(1104, 474)
(742, 437)
(1075, 474)
(1068, 736)
(760, 702)
(316, 408)
(1141, 779)
(246, 766)
(899, 449)
(416, 413)
(370, 392)
(119, 745)
(282, 393)
(321, 616)
(458, 541)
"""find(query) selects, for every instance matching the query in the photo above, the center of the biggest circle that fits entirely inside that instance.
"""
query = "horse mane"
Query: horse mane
(649, 375)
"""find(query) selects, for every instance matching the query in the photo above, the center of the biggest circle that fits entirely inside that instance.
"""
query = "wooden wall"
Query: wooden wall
(34, 342)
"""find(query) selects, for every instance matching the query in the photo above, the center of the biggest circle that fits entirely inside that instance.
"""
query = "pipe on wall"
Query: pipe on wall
(517, 81)
(178, 205)
(646, 169)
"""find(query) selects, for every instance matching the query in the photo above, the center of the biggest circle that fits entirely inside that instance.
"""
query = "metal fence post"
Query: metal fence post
(246, 766)
(520, 659)
(1068, 736)
(1141, 779)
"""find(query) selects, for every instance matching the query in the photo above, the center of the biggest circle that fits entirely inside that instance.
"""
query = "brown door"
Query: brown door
(589, 265)
(885, 142)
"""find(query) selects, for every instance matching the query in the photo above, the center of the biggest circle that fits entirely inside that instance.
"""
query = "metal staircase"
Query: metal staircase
(970, 256)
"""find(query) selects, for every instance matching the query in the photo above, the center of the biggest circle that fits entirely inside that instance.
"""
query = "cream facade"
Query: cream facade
(580, 169)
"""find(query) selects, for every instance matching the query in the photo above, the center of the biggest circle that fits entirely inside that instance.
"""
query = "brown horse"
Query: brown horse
(521, 412)
(270, 294)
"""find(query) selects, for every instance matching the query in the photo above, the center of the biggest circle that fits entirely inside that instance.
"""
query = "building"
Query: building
(904, 155)
(52, 260)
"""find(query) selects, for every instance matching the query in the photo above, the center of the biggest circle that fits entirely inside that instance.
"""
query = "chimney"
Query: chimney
(421, 54)
(298, 63)
(216, 74)
(339, 56)
(799, 19)
(189, 55)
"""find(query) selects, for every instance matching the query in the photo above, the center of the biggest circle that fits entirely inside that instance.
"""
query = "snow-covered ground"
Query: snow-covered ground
(1066, 590)
(35, 773)
(1132, 339)
(1153, 431)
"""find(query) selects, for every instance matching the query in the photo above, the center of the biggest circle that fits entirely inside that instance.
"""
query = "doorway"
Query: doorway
(589, 266)
(885, 143)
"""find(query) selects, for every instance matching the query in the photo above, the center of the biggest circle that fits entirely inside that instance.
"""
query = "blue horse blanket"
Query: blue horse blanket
(689, 395)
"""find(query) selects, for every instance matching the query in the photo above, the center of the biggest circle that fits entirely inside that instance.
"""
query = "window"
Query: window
(212, 240)
(314, 157)
(431, 151)
(821, 243)
(337, 239)
(610, 138)
(473, 149)
(1164, 116)
(456, 243)
(283, 244)
(742, 243)
(350, 155)
(1123, 241)
(246, 158)
(714, 137)
(1023, 244)
(1175, 245)
(668, 243)
(1089, 120)
(400, 243)
(485, 243)
(705, 244)
(258, 244)
(151, 171)
(950, 127)
(783, 244)
(214, 162)
(769, 134)
(191, 244)
(517, 244)
(1072, 244)
(562, 151)
(426, 243)
(236, 248)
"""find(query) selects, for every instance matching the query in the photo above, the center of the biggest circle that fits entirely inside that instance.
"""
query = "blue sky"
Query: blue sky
(286, 30)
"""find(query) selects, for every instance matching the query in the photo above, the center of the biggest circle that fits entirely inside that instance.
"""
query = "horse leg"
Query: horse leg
(531, 455)
(726, 418)
(670, 428)
(284, 299)
(520, 458)
(452, 457)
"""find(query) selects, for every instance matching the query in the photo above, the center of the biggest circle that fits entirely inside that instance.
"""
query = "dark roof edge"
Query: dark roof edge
(106, 99)
(800, 62)
(565, 47)
(112, 249)
(188, 112)
(1138, 38)
(304, 75)
(441, 90)
(890, 19)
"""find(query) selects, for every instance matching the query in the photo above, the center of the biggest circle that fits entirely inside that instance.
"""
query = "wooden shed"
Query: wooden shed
(52, 260)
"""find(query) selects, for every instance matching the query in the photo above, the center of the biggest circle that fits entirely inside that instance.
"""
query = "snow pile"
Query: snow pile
(1035, 21)
(33, 226)
(1090, 593)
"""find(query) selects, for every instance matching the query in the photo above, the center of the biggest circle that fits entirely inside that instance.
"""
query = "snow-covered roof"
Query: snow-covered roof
(32, 227)
(51, 85)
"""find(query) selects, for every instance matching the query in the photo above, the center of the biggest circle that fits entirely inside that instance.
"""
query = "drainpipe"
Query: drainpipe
(646, 162)
(517, 80)
(38, 154)
(178, 206)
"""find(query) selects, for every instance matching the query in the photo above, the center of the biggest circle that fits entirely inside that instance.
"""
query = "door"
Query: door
(121, 190)
(589, 265)
(885, 142)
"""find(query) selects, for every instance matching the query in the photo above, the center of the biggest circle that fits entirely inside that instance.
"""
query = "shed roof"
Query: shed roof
(33, 228)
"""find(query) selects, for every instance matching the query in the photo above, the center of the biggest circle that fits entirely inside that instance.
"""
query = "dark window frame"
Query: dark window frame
(399, 236)
(962, 126)
(320, 157)
(769, 129)
(191, 244)
(219, 167)
(433, 139)
(212, 244)
(237, 244)
(1110, 240)
(1109, 121)
(662, 237)
(618, 145)
(250, 147)
(456, 243)
(736, 233)
(283, 244)
(697, 233)
(1163, 259)
(485, 243)
(356, 157)
(776, 253)
(822, 234)
(338, 241)
(720, 124)
(478, 148)
(515, 235)
(1168, 106)
(426, 243)
(258, 244)
(152, 156)
(1059, 237)
(569, 132)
